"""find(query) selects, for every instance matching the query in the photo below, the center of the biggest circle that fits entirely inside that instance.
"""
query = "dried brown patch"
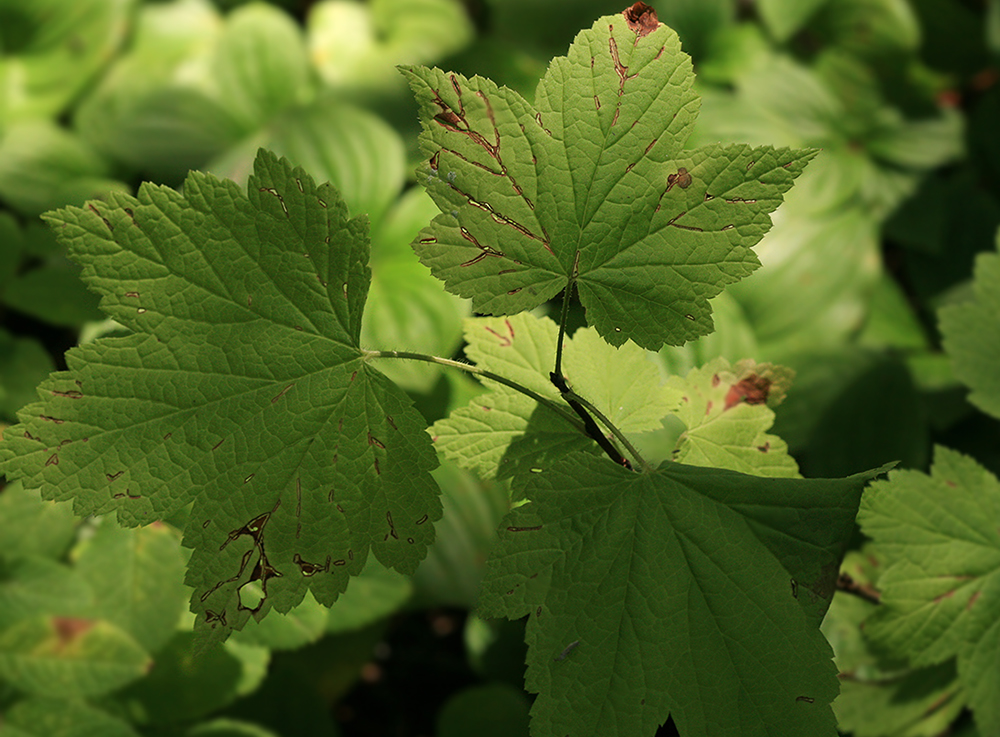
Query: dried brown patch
(753, 390)
(641, 19)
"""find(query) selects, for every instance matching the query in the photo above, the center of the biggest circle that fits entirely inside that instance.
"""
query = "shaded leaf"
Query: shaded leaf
(972, 336)
(48, 717)
(69, 657)
(689, 592)
(941, 589)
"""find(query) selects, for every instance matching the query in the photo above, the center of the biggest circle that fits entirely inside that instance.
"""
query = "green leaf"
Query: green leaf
(30, 526)
(137, 577)
(48, 717)
(53, 49)
(921, 703)
(784, 17)
(941, 590)
(185, 686)
(726, 415)
(69, 657)
(355, 46)
(689, 592)
(229, 728)
(242, 389)
(33, 586)
(375, 593)
(195, 84)
(879, 698)
(305, 623)
(24, 362)
(972, 336)
(500, 431)
(494, 710)
(44, 166)
(260, 65)
(53, 294)
(592, 187)
(466, 534)
(409, 310)
(356, 151)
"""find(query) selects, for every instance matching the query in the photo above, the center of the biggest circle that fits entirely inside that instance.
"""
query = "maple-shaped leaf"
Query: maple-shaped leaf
(592, 187)
(242, 389)
(503, 429)
(940, 598)
(689, 592)
(726, 413)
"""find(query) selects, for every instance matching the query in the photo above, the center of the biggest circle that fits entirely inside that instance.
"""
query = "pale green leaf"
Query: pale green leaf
(408, 309)
(48, 717)
(44, 166)
(305, 623)
(137, 577)
(355, 46)
(921, 703)
(242, 388)
(725, 411)
(33, 586)
(784, 17)
(688, 592)
(972, 336)
(260, 65)
(941, 590)
(592, 187)
(69, 657)
(500, 431)
(31, 526)
(58, 47)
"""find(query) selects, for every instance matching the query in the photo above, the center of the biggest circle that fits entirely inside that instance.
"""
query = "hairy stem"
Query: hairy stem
(475, 370)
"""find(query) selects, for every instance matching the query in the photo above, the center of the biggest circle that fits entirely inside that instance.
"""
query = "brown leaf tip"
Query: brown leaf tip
(641, 19)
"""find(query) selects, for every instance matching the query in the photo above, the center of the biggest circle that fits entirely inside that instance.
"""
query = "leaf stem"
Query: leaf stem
(564, 318)
(570, 395)
(475, 370)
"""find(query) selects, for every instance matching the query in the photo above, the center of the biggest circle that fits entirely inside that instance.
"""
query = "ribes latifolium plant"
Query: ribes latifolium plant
(690, 588)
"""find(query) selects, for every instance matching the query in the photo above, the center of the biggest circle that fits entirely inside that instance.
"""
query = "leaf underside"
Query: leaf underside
(592, 186)
(242, 389)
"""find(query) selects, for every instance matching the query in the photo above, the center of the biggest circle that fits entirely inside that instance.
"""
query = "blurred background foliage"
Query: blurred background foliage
(902, 96)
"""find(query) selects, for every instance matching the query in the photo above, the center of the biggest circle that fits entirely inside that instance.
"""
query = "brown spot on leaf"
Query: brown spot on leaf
(752, 389)
(682, 178)
(70, 629)
(641, 19)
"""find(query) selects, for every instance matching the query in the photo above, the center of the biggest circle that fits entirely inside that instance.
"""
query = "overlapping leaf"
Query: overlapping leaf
(242, 389)
(725, 412)
(502, 430)
(687, 591)
(592, 186)
(941, 590)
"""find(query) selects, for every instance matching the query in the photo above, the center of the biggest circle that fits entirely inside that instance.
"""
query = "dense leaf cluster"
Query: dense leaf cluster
(271, 399)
